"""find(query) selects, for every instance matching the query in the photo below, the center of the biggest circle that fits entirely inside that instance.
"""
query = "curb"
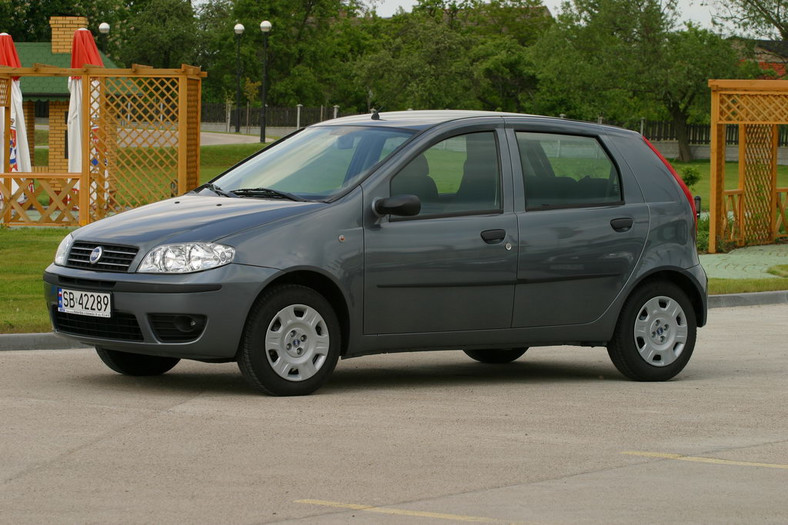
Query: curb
(44, 341)
(748, 299)
(52, 341)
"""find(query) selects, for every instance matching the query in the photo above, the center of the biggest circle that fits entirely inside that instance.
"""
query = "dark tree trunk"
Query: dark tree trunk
(682, 135)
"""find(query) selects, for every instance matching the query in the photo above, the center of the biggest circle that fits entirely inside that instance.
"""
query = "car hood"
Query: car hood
(190, 218)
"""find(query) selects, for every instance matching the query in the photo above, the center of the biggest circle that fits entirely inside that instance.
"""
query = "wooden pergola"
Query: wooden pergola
(755, 211)
(140, 144)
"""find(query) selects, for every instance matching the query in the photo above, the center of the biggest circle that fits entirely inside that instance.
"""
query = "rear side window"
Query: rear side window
(566, 171)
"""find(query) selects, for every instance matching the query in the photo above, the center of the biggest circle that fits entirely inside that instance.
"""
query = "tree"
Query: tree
(621, 58)
(693, 57)
(422, 64)
(159, 33)
(455, 54)
(28, 20)
(504, 76)
(765, 18)
(304, 51)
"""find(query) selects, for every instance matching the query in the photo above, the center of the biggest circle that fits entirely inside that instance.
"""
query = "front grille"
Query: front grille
(114, 259)
(177, 328)
(90, 284)
(121, 326)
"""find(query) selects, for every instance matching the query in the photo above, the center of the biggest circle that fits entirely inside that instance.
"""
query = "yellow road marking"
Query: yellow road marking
(399, 512)
(713, 461)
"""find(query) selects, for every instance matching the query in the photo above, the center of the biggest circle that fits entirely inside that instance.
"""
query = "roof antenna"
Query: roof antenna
(375, 114)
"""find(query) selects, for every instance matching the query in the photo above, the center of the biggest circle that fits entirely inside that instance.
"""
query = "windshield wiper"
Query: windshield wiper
(216, 189)
(267, 193)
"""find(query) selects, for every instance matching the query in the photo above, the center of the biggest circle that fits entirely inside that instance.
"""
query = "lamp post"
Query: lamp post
(265, 27)
(104, 30)
(239, 30)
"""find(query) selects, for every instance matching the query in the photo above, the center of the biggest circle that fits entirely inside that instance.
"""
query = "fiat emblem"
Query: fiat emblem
(96, 254)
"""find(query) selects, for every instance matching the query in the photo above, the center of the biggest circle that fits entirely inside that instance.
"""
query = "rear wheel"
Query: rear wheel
(136, 364)
(655, 334)
(496, 356)
(291, 342)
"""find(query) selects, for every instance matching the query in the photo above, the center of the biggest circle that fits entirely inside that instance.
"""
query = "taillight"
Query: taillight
(676, 176)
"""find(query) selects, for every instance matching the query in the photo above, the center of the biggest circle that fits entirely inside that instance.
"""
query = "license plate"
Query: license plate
(78, 302)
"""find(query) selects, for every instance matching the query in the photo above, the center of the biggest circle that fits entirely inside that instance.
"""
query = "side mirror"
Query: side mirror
(400, 205)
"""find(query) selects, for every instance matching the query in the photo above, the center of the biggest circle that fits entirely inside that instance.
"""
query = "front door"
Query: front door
(452, 267)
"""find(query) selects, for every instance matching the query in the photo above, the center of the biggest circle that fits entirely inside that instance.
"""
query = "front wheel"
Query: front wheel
(655, 334)
(496, 356)
(136, 364)
(291, 342)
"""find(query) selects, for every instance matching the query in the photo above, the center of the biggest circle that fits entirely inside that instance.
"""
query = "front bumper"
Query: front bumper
(193, 316)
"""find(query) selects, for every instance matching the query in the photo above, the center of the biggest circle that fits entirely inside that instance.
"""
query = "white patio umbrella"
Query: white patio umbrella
(83, 53)
(16, 143)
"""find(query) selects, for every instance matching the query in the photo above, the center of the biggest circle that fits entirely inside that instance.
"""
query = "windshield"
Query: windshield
(315, 164)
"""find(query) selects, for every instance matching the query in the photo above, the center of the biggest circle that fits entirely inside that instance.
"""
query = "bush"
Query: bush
(690, 175)
(703, 234)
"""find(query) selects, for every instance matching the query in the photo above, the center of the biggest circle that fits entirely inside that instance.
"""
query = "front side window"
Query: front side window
(317, 163)
(459, 175)
(566, 170)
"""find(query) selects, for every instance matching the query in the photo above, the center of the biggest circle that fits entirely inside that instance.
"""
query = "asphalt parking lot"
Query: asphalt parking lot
(557, 437)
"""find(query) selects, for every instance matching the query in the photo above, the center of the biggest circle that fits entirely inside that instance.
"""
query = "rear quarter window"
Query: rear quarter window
(654, 179)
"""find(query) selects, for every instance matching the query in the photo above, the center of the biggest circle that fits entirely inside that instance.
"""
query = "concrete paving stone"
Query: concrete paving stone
(751, 262)
(556, 437)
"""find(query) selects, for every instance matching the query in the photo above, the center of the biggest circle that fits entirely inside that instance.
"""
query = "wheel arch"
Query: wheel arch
(683, 281)
(323, 285)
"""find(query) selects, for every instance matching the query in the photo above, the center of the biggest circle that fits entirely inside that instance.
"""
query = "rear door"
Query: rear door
(582, 227)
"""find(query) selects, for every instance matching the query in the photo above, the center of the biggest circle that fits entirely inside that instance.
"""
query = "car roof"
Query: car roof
(424, 119)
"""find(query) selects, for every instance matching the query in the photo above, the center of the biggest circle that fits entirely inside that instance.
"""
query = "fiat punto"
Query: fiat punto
(482, 232)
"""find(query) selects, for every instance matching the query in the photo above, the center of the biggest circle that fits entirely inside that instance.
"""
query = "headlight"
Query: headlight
(61, 255)
(186, 258)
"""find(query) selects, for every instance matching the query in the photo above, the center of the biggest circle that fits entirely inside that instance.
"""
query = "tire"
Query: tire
(291, 342)
(655, 334)
(136, 364)
(496, 356)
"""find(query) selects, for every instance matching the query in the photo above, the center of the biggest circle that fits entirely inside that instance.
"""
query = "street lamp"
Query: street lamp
(265, 27)
(239, 30)
(104, 30)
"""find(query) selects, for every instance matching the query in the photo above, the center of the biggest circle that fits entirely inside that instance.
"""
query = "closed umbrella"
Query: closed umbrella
(16, 143)
(83, 53)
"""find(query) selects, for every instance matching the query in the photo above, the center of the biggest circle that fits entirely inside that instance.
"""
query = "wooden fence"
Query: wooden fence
(140, 144)
(285, 117)
(654, 130)
(699, 134)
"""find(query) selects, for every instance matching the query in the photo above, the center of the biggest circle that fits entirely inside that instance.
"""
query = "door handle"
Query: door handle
(623, 224)
(493, 236)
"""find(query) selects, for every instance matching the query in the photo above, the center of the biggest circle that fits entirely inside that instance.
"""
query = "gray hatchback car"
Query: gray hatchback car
(483, 232)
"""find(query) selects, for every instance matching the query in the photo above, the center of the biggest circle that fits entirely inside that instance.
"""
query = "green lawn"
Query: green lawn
(703, 187)
(780, 270)
(726, 286)
(26, 252)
